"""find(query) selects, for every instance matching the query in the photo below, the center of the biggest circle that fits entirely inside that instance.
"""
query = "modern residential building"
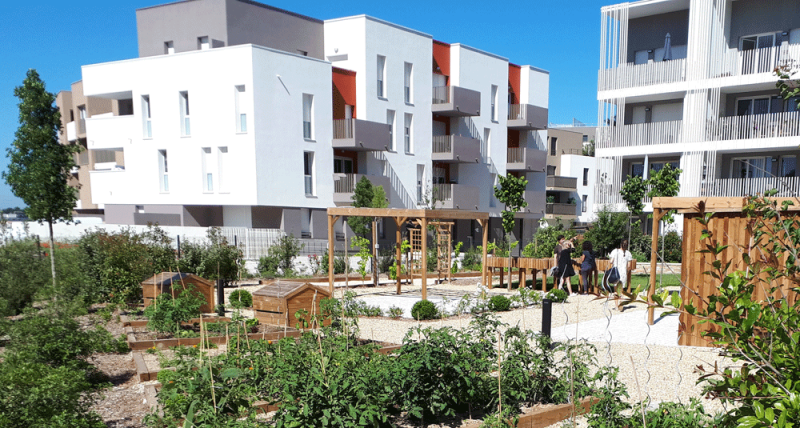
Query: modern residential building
(691, 83)
(570, 177)
(258, 117)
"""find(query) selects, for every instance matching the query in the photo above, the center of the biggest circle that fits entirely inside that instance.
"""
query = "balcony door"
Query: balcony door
(756, 57)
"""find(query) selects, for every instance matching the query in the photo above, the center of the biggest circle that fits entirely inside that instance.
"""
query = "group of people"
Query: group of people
(564, 270)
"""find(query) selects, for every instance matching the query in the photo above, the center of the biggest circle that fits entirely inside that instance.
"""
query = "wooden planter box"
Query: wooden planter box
(141, 345)
(277, 303)
(126, 322)
(163, 283)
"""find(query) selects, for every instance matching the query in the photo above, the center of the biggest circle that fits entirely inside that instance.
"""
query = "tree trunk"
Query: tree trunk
(52, 254)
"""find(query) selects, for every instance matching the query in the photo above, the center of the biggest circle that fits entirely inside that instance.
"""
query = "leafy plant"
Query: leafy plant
(556, 295)
(166, 314)
(280, 258)
(424, 310)
(363, 254)
(545, 240)
(526, 297)
(240, 299)
(23, 272)
(607, 231)
(212, 259)
(395, 312)
(338, 264)
(499, 303)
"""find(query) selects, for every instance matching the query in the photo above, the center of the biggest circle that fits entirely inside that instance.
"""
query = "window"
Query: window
(222, 166)
(381, 76)
(186, 129)
(308, 172)
(342, 166)
(585, 139)
(81, 119)
(487, 137)
(584, 199)
(147, 131)
(586, 176)
(409, 146)
(407, 72)
(202, 43)
(420, 183)
(551, 170)
(553, 146)
(308, 116)
(788, 166)
(494, 103)
(163, 171)
(208, 175)
(241, 110)
(169, 48)
(637, 170)
(390, 122)
(492, 198)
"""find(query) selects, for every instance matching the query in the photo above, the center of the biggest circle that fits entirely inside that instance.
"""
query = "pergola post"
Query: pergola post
(399, 238)
(657, 214)
(424, 264)
(331, 253)
(485, 226)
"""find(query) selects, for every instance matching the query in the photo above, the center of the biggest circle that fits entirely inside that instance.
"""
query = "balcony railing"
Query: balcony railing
(740, 187)
(631, 75)
(442, 144)
(640, 134)
(556, 181)
(361, 135)
(516, 155)
(774, 125)
(455, 149)
(527, 117)
(455, 196)
(344, 186)
(526, 159)
(455, 101)
(560, 209)
(755, 61)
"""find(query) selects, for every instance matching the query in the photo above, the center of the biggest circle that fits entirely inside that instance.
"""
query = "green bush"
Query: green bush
(499, 303)
(673, 247)
(545, 240)
(212, 259)
(472, 259)
(23, 273)
(166, 314)
(608, 230)
(280, 258)
(240, 299)
(556, 295)
(395, 312)
(338, 264)
(424, 310)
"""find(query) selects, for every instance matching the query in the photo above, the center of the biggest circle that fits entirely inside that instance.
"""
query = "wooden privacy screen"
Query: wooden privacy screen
(728, 228)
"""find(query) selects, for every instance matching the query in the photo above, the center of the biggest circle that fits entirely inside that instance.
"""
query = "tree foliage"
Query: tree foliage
(215, 258)
(363, 196)
(545, 240)
(664, 183)
(511, 191)
(607, 231)
(633, 192)
(787, 83)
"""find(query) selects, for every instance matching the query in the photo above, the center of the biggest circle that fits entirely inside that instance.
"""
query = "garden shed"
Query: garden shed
(278, 302)
(728, 226)
(163, 283)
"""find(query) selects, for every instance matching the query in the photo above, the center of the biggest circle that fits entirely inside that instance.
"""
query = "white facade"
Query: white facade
(712, 109)
(585, 170)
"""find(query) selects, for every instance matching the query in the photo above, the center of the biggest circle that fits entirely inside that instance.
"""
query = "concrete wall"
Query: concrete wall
(649, 32)
(567, 142)
(574, 166)
(749, 17)
(181, 23)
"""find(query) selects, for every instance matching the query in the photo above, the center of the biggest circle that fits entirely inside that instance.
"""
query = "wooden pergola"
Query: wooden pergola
(400, 216)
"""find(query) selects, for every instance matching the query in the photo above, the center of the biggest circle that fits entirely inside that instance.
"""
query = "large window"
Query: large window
(208, 175)
(586, 176)
(408, 80)
(147, 131)
(420, 183)
(756, 58)
(407, 133)
(494, 103)
(308, 172)
(390, 122)
(308, 117)
(584, 203)
(342, 165)
(381, 76)
(163, 171)
(186, 129)
(241, 109)
(553, 146)
(764, 166)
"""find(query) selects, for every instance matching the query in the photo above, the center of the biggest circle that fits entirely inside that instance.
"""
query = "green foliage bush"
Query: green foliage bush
(117, 263)
(240, 299)
(424, 310)
(545, 240)
(23, 273)
(212, 259)
(338, 263)
(556, 295)
(608, 230)
(473, 259)
(499, 303)
(166, 314)
(280, 258)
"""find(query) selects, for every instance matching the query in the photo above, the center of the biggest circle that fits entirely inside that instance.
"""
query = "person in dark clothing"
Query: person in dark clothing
(588, 265)
(565, 270)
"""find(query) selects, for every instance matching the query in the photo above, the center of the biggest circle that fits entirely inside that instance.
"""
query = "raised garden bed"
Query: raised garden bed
(140, 341)
(141, 321)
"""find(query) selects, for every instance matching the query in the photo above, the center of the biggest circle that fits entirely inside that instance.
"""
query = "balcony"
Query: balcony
(456, 149)
(526, 117)
(526, 159)
(631, 75)
(455, 101)
(344, 186)
(536, 201)
(110, 132)
(72, 133)
(560, 210)
(456, 196)
(361, 135)
(774, 125)
(562, 184)
(757, 61)
(741, 187)
(640, 134)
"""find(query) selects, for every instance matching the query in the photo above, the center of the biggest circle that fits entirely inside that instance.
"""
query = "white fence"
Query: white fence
(640, 134)
(631, 75)
(774, 125)
(739, 187)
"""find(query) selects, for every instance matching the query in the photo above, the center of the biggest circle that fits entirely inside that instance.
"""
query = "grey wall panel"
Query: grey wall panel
(750, 17)
(649, 32)
(181, 23)
(263, 25)
(267, 217)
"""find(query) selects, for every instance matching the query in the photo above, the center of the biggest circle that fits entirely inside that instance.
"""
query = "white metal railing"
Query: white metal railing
(640, 134)
(442, 144)
(342, 128)
(441, 95)
(740, 187)
(346, 183)
(517, 111)
(516, 155)
(631, 75)
(773, 125)
(754, 61)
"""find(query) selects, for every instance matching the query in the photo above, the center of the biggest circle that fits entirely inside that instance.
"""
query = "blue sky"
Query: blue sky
(57, 37)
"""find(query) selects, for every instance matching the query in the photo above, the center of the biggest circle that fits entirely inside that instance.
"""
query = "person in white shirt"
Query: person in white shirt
(619, 259)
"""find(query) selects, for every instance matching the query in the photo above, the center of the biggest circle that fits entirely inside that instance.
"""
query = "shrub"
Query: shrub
(545, 240)
(338, 264)
(673, 247)
(395, 312)
(212, 259)
(556, 295)
(240, 299)
(499, 303)
(280, 258)
(23, 272)
(608, 229)
(424, 310)
(166, 314)
(472, 259)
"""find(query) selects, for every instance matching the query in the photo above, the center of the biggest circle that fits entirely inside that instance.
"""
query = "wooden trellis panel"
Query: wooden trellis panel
(416, 251)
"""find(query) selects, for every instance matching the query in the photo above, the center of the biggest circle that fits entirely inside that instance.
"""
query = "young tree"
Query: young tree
(379, 200)
(363, 194)
(38, 169)
(510, 191)
(788, 84)
(633, 192)
(664, 183)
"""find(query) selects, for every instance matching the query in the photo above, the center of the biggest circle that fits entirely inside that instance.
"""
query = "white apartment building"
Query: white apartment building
(709, 106)
(238, 121)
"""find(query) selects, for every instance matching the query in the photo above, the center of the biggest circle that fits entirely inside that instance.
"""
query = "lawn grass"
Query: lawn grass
(668, 280)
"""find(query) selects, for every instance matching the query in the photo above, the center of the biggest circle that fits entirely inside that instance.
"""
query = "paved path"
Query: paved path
(623, 328)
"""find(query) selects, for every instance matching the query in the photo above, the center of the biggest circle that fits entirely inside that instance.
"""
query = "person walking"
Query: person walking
(565, 270)
(588, 265)
(619, 259)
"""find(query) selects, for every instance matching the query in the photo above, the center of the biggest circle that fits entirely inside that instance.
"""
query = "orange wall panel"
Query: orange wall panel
(344, 91)
(441, 58)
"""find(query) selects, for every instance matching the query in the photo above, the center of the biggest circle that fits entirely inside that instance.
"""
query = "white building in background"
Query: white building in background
(712, 109)
(258, 117)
